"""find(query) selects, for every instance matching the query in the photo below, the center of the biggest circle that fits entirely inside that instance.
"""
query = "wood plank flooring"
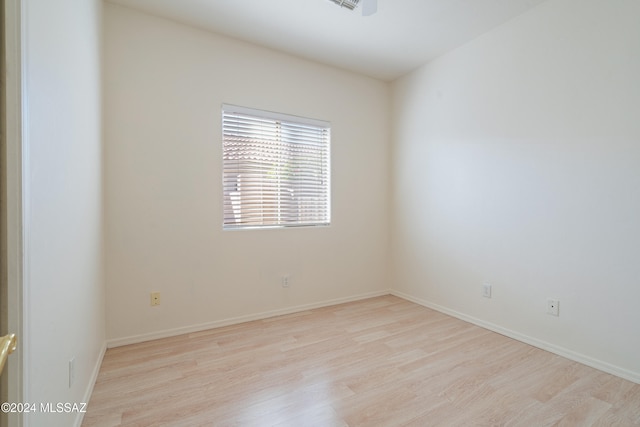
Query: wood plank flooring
(377, 362)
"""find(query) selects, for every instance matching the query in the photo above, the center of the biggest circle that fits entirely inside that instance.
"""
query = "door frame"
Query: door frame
(17, 201)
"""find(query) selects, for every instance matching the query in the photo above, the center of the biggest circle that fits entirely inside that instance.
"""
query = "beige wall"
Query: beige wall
(516, 160)
(64, 301)
(164, 87)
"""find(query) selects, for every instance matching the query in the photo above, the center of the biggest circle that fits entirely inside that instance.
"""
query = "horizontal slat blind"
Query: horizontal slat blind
(349, 4)
(275, 170)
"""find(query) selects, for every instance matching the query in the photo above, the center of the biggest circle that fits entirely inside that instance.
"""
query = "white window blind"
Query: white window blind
(276, 170)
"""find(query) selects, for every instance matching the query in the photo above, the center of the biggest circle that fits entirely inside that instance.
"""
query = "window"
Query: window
(275, 170)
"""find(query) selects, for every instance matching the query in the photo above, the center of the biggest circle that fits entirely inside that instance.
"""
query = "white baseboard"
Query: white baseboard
(92, 383)
(134, 339)
(560, 351)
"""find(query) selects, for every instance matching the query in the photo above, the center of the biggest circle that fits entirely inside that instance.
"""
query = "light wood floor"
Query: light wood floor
(378, 362)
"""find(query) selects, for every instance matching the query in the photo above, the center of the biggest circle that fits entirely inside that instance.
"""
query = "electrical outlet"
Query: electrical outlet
(486, 290)
(285, 281)
(155, 298)
(72, 371)
(553, 307)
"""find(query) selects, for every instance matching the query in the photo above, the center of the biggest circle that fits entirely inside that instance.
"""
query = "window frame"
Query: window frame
(325, 172)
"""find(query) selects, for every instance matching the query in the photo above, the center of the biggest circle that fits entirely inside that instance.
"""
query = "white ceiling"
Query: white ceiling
(400, 37)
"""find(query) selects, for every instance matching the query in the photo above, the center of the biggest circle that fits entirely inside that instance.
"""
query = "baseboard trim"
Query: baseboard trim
(135, 339)
(92, 383)
(560, 351)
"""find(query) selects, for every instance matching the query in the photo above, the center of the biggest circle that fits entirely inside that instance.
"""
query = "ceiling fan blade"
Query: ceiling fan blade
(369, 7)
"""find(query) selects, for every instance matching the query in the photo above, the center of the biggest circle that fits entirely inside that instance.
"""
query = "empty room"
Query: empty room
(320, 213)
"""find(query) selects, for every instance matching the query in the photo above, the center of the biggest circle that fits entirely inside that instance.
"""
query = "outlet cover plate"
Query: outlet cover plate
(553, 307)
(286, 281)
(486, 290)
(155, 298)
(72, 371)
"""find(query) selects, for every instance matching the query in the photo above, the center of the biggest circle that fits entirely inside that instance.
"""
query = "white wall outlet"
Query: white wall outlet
(486, 290)
(72, 371)
(155, 298)
(286, 281)
(553, 307)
